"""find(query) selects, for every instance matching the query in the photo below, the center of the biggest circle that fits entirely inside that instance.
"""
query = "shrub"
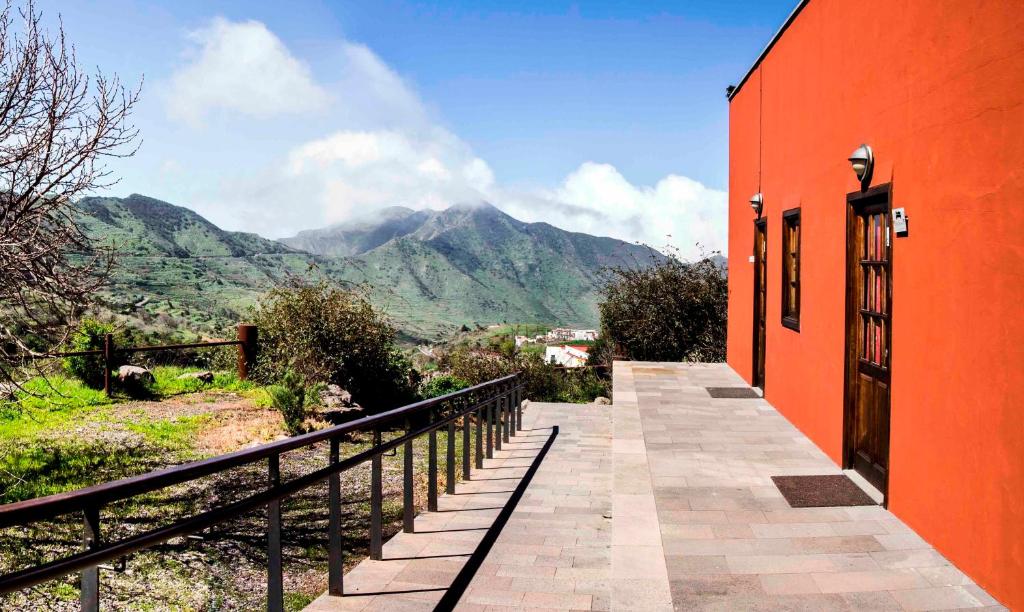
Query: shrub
(333, 335)
(543, 382)
(289, 398)
(442, 385)
(89, 368)
(671, 311)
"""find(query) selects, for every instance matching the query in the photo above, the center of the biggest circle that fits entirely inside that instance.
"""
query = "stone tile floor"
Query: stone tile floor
(661, 501)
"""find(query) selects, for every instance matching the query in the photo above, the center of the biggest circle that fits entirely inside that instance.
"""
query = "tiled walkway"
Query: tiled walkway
(663, 500)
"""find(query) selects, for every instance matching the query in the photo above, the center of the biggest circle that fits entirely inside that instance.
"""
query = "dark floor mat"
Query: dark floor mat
(821, 491)
(733, 392)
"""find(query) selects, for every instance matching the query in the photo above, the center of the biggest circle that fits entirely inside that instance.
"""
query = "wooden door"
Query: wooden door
(869, 330)
(760, 298)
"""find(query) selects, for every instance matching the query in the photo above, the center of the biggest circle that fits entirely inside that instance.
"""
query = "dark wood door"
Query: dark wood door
(869, 329)
(760, 298)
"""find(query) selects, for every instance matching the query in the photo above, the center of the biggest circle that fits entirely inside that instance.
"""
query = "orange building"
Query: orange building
(883, 314)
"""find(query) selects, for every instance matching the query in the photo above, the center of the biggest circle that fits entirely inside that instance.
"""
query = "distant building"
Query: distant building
(562, 334)
(521, 340)
(567, 355)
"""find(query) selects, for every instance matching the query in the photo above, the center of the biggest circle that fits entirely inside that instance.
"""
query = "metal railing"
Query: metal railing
(496, 406)
(246, 343)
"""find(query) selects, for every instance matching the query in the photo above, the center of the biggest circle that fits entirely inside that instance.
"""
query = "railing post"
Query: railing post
(275, 577)
(512, 422)
(449, 483)
(90, 578)
(335, 558)
(508, 416)
(376, 504)
(466, 454)
(108, 363)
(408, 510)
(519, 408)
(499, 417)
(489, 412)
(248, 336)
(480, 438)
(432, 469)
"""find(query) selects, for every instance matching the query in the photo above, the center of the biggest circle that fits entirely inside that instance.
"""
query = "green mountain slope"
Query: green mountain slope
(432, 271)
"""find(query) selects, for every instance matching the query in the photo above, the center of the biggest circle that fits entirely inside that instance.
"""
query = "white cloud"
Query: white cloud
(382, 148)
(355, 172)
(241, 67)
(597, 199)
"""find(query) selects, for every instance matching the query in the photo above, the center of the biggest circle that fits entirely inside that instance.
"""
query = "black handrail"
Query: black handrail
(496, 402)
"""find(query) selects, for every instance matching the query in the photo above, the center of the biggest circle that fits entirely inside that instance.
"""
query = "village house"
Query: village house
(567, 355)
(875, 259)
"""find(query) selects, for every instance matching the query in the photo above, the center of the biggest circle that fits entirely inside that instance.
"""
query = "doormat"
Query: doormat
(821, 491)
(733, 393)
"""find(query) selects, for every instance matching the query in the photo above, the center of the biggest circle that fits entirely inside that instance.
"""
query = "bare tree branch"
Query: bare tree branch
(57, 126)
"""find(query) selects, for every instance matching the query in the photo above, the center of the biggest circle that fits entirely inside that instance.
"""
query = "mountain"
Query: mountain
(138, 225)
(431, 271)
(359, 235)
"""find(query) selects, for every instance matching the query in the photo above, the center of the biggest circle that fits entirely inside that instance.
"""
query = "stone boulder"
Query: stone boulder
(604, 401)
(333, 397)
(204, 377)
(135, 375)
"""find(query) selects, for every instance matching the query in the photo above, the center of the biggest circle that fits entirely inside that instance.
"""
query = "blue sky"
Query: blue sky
(606, 117)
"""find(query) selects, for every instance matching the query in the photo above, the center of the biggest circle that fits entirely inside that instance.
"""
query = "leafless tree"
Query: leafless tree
(58, 125)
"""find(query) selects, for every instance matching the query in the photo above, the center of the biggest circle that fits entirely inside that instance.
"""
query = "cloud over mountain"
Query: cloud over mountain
(379, 146)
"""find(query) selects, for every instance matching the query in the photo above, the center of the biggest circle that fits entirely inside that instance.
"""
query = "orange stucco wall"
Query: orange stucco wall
(937, 89)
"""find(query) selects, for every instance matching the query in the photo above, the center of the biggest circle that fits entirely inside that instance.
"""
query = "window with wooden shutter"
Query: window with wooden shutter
(791, 269)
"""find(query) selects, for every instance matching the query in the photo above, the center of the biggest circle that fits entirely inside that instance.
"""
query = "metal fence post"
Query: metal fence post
(275, 577)
(248, 336)
(90, 578)
(480, 438)
(108, 363)
(489, 411)
(432, 469)
(508, 416)
(512, 422)
(519, 408)
(376, 504)
(465, 447)
(499, 417)
(335, 558)
(449, 483)
(408, 509)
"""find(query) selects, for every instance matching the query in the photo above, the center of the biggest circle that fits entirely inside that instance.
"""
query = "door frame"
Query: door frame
(760, 225)
(855, 201)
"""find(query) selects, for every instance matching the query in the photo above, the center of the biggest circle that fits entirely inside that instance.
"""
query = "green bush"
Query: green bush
(442, 385)
(332, 335)
(671, 311)
(289, 398)
(89, 368)
(543, 382)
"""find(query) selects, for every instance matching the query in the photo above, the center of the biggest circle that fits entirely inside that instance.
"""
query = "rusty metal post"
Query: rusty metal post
(108, 362)
(275, 570)
(465, 447)
(432, 469)
(90, 578)
(376, 503)
(519, 408)
(489, 418)
(480, 438)
(408, 505)
(248, 335)
(449, 483)
(499, 416)
(335, 556)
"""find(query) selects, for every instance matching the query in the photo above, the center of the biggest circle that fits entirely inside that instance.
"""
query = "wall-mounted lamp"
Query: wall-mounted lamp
(756, 202)
(863, 161)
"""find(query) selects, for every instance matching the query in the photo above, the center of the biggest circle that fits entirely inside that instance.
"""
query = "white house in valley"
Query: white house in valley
(567, 355)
